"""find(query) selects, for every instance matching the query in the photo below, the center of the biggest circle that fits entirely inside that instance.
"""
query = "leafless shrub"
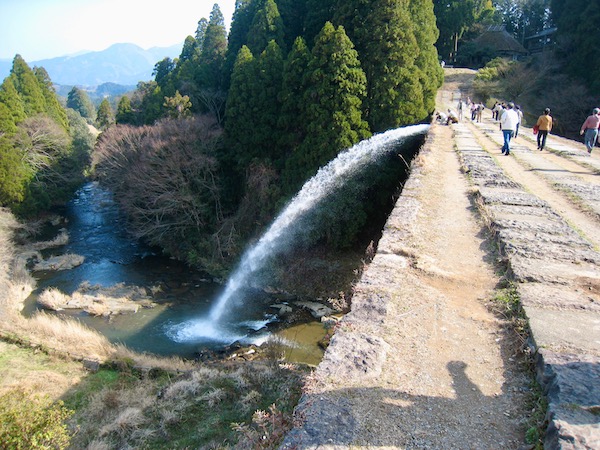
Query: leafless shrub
(266, 431)
(46, 141)
(164, 178)
(214, 102)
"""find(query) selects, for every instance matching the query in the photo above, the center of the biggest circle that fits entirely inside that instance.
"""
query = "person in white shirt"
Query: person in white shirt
(508, 124)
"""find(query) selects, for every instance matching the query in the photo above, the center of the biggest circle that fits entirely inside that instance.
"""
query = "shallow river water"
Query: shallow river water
(97, 232)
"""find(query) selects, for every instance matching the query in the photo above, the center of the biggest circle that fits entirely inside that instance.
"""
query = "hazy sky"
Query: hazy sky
(40, 29)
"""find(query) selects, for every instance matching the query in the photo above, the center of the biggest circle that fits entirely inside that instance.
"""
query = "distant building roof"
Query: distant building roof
(497, 38)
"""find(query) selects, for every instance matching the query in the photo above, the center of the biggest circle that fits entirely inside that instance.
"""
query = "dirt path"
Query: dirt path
(458, 366)
(421, 362)
(541, 173)
(542, 179)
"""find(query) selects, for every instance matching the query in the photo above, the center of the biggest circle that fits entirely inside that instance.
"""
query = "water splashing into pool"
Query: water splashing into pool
(285, 229)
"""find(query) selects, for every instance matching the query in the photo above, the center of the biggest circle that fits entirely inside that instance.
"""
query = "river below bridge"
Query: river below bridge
(97, 232)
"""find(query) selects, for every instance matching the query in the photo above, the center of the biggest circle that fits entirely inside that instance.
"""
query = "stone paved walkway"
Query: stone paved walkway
(544, 212)
(555, 265)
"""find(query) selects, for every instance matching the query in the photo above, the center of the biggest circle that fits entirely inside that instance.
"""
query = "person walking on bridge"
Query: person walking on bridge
(508, 124)
(590, 128)
(544, 123)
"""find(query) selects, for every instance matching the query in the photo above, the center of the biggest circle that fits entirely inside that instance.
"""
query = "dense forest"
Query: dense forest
(201, 157)
(266, 106)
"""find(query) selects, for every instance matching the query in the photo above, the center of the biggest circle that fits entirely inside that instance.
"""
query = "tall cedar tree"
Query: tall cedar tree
(241, 112)
(522, 19)
(383, 33)
(201, 32)
(79, 100)
(148, 100)
(14, 174)
(426, 33)
(291, 123)
(336, 86)
(28, 87)
(212, 53)
(53, 107)
(270, 75)
(318, 12)
(42, 156)
(238, 35)
(267, 26)
(292, 13)
(163, 69)
(9, 96)
(125, 114)
(7, 122)
(454, 18)
(186, 64)
(577, 24)
(105, 115)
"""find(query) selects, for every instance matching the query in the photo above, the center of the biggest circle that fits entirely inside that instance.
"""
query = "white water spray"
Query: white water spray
(281, 233)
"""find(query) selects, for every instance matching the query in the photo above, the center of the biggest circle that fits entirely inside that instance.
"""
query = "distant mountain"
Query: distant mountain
(123, 64)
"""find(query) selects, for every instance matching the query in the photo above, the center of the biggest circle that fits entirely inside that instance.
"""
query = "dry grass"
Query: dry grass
(194, 410)
(98, 300)
(60, 335)
(135, 400)
(61, 239)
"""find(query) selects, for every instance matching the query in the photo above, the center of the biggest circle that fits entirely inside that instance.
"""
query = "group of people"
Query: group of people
(474, 108)
(510, 117)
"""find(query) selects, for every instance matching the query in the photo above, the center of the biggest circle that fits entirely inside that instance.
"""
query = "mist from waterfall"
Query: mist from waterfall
(285, 230)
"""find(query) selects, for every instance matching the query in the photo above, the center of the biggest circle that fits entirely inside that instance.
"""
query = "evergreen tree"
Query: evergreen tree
(383, 34)
(212, 56)
(83, 142)
(431, 74)
(186, 66)
(292, 14)
(54, 109)
(267, 26)
(125, 113)
(178, 106)
(318, 12)
(14, 174)
(240, 26)
(454, 18)
(164, 68)
(7, 122)
(270, 73)
(291, 122)
(577, 23)
(336, 86)
(523, 18)
(201, 32)
(28, 87)
(241, 112)
(148, 100)
(14, 105)
(79, 100)
(105, 115)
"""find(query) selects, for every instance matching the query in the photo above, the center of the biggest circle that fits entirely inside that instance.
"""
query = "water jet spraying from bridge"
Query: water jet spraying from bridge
(286, 228)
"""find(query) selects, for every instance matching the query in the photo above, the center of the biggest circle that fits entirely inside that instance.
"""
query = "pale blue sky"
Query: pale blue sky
(40, 29)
